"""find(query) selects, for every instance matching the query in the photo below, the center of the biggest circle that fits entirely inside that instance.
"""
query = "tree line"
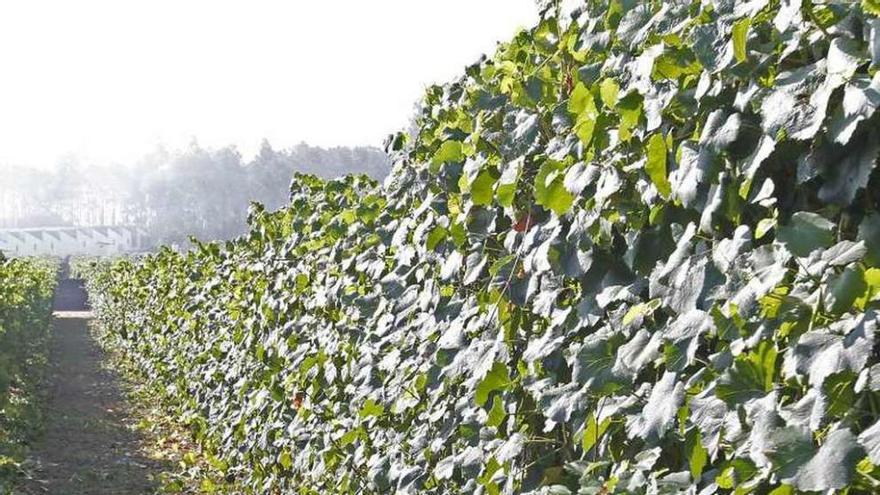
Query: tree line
(174, 194)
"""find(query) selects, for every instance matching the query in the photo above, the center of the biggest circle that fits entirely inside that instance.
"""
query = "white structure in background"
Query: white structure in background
(72, 241)
(100, 205)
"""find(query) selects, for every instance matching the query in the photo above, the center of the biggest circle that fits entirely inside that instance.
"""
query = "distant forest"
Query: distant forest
(173, 194)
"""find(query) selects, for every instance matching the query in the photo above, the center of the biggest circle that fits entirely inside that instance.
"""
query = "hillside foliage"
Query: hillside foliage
(26, 288)
(635, 251)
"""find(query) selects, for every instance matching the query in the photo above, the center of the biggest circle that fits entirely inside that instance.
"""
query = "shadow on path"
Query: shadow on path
(70, 296)
(88, 445)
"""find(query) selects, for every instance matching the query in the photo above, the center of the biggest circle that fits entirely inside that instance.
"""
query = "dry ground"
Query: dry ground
(90, 444)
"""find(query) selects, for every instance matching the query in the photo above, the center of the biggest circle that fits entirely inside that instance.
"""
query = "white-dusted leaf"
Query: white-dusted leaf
(845, 345)
(685, 332)
(860, 99)
(798, 104)
(660, 411)
(692, 173)
(633, 356)
(809, 411)
(833, 466)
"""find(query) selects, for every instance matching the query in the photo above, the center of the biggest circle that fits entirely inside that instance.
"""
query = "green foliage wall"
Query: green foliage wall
(26, 288)
(636, 251)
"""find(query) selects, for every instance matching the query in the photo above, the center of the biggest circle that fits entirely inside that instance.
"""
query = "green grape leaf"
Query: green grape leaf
(593, 431)
(806, 232)
(550, 190)
(656, 164)
(482, 188)
(582, 105)
(508, 183)
(846, 289)
(630, 110)
(869, 232)
(608, 92)
(698, 456)
(449, 151)
(740, 39)
(371, 409)
(496, 414)
(750, 376)
(497, 379)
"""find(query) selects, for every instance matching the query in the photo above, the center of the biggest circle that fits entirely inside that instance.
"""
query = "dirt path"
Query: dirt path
(88, 446)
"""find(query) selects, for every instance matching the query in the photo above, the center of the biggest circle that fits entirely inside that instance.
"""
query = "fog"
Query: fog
(102, 102)
(171, 194)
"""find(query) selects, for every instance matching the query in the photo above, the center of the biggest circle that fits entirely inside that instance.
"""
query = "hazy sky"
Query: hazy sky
(110, 79)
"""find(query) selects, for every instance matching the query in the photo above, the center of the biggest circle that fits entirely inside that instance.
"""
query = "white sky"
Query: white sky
(108, 80)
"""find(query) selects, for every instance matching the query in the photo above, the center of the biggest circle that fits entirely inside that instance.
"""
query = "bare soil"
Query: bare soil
(90, 445)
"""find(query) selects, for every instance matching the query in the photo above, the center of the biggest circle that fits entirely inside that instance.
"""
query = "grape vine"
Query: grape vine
(26, 287)
(635, 251)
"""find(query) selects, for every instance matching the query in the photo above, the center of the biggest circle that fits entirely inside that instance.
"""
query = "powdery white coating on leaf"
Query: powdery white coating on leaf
(692, 172)
(659, 412)
(633, 356)
(789, 14)
(846, 345)
(511, 448)
(687, 330)
(809, 411)
(832, 466)
(708, 414)
(765, 147)
(860, 99)
(870, 440)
